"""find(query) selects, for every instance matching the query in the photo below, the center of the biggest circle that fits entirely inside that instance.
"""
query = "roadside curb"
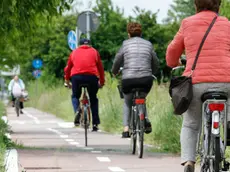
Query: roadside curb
(11, 155)
(11, 160)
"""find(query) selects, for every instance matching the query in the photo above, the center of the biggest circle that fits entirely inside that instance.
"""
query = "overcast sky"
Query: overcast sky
(153, 5)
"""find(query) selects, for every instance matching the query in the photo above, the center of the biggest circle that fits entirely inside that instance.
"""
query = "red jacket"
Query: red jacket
(85, 60)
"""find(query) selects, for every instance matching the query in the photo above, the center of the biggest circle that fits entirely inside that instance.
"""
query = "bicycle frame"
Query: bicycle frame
(208, 132)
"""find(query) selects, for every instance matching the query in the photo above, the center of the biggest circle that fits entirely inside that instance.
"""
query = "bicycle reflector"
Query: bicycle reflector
(140, 101)
(216, 106)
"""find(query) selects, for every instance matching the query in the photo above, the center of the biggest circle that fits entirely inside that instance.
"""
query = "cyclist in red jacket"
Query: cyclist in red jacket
(84, 66)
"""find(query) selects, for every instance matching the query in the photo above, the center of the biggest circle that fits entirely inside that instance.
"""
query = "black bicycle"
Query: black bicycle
(137, 121)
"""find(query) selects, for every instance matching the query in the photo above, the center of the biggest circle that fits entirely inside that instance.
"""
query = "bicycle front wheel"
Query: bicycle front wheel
(17, 108)
(86, 125)
(140, 137)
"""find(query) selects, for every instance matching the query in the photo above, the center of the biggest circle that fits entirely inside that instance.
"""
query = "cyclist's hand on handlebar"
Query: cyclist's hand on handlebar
(67, 84)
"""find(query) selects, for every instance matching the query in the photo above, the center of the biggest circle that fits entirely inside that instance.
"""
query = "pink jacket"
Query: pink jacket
(214, 61)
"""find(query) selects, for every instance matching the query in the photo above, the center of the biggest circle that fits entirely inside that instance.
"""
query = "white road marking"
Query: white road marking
(103, 159)
(66, 124)
(96, 151)
(64, 136)
(33, 117)
(55, 131)
(69, 140)
(74, 143)
(116, 169)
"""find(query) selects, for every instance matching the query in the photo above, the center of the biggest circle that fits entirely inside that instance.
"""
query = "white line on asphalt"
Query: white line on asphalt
(64, 136)
(116, 169)
(103, 159)
(74, 143)
(69, 140)
(33, 117)
(95, 151)
(55, 131)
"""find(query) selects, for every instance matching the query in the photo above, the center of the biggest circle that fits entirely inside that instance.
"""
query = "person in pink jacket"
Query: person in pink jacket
(212, 70)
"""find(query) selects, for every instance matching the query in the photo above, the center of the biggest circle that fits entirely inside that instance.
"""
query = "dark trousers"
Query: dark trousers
(144, 83)
(13, 100)
(92, 82)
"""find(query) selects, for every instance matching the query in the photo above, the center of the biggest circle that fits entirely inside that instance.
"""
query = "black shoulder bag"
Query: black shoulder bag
(180, 88)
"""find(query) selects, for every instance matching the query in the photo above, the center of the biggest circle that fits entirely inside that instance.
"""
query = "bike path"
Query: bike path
(52, 144)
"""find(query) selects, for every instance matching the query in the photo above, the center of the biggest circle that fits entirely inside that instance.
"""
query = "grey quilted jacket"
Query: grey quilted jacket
(137, 58)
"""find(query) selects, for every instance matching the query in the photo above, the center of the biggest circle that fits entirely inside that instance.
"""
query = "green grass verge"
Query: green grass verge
(56, 99)
(4, 141)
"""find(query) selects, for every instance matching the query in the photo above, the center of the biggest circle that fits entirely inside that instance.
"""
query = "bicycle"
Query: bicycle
(212, 138)
(137, 121)
(84, 111)
(213, 142)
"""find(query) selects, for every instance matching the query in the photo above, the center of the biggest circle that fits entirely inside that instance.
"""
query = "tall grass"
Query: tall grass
(166, 126)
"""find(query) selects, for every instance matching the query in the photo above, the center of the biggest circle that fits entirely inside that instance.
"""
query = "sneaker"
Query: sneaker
(95, 128)
(148, 126)
(77, 120)
(189, 168)
(125, 134)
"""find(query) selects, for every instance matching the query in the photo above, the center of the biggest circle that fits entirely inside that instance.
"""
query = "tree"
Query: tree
(111, 32)
(20, 20)
(180, 9)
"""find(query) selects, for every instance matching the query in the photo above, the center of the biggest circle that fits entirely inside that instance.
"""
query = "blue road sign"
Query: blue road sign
(37, 63)
(72, 39)
(37, 73)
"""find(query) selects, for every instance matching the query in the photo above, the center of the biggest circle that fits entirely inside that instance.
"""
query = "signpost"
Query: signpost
(37, 64)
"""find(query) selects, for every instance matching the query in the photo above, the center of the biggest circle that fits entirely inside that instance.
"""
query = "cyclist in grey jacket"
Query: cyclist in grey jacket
(139, 62)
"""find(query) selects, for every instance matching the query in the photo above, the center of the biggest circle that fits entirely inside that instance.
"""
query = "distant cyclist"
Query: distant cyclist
(84, 66)
(16, 86)
(139, 62)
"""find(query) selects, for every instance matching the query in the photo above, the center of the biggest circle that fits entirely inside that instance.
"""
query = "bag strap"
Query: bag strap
(202, 42)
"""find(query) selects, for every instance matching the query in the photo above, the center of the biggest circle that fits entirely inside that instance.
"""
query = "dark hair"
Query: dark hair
(212, 5)
(134, 29)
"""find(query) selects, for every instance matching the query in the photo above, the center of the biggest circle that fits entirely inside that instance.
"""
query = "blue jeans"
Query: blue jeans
(92, 82)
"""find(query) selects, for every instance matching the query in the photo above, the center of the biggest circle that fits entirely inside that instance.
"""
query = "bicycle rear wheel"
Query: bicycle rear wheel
(133, 133)
(216, 152)
(86, 125)
(140, 137)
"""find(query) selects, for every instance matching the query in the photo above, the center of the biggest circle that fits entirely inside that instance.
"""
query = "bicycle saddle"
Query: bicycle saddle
(138, 90)
(84, 85)
(214, 94)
